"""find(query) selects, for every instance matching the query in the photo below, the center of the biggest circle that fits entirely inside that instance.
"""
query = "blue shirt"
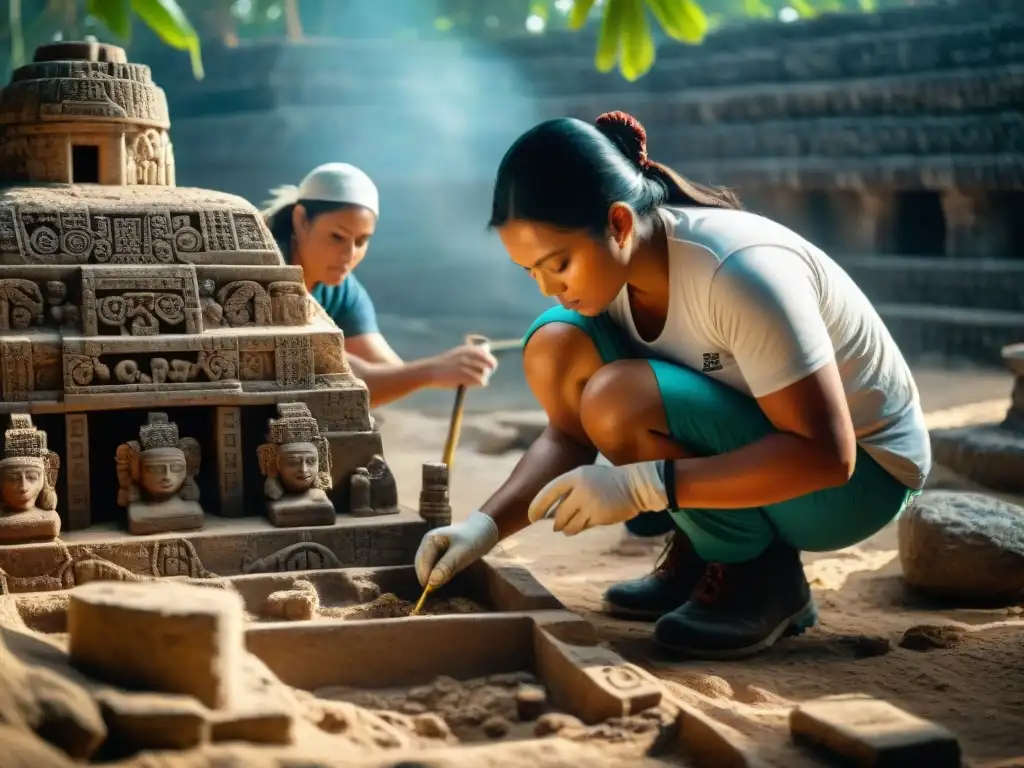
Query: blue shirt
(348, 304)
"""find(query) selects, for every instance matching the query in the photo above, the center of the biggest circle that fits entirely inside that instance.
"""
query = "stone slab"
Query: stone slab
(871, 732)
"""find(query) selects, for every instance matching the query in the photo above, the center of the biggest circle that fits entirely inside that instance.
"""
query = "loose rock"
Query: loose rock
(963, 545)
(927, 637)
(531, 701)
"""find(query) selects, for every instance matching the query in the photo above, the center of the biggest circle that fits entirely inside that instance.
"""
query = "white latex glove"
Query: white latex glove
(446, 551)
(598, 495)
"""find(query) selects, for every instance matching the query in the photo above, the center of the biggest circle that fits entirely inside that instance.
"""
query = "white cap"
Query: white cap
(340, 183)
(329, 183)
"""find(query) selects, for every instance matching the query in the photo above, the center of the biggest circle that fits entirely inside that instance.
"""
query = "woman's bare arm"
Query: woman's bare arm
(558, 361)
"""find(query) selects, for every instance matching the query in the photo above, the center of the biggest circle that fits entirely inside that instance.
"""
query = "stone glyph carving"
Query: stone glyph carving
(157, 479)
(296, 462)
(21, 304)
(28, 479)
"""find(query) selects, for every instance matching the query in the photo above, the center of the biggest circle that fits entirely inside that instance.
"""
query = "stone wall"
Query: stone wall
(871, 134)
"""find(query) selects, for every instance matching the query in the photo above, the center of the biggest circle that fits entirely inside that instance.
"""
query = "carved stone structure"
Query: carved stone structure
(28, 479)
(296, 463)
(146, 319)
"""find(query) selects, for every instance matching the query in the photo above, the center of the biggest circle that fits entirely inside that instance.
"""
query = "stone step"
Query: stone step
(967, 284)
(932, 332)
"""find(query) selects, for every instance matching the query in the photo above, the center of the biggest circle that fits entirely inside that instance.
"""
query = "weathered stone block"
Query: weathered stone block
(171, 638)
(869, 732)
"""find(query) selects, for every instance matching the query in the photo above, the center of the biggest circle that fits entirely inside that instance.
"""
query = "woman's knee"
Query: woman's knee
(559, 359)
(621, 407)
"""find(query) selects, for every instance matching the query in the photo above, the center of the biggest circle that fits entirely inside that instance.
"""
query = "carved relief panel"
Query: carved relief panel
(124, 365)
(56, 228)
(145, 301)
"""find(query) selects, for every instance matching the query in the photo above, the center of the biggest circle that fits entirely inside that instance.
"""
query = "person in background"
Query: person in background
(746, 390)
(325, 226)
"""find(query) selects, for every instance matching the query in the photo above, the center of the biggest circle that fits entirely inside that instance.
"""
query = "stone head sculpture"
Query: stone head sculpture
(28, 471)
(296, 458)
(159, 465)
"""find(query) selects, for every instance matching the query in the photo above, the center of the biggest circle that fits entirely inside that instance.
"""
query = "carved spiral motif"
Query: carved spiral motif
(188, 240)
(217, 366)
(170, 308)
(44, 240)
(102, 251)
(113, 310)
(81, 371)
(76, 242)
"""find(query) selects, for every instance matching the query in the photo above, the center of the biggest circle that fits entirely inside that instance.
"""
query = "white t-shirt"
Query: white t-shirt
(755, 306)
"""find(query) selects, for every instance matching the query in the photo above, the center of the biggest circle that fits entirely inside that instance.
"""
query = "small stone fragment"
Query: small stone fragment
(555, 722)
(430, 725)
(870, 732)
(928, 637)
(495, 727)
(300, 603)
(531, 701)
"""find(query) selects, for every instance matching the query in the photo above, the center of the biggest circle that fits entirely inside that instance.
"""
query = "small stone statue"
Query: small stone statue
(157, 478)
(360, 497)
(434, 506)
(383, 489)
(296, 462)
(28, 477)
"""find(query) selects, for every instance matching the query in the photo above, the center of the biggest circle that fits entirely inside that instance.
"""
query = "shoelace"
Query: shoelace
(709, 588)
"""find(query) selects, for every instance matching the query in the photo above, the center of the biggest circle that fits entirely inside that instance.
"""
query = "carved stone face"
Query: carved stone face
(298, 465)
(22, 480)
(162, 472)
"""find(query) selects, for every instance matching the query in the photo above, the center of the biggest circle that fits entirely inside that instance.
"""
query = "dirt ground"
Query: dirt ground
(973, 685)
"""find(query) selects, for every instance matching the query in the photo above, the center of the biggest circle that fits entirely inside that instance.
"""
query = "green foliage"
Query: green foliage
(164, 17)
(625, 35)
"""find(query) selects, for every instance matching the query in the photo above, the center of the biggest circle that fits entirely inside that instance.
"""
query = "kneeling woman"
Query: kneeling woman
(324, 225)
(733, 373)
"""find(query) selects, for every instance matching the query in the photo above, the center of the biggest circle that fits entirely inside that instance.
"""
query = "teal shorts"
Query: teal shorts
(710, 418)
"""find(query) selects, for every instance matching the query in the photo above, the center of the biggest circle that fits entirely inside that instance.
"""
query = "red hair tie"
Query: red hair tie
(628, 132)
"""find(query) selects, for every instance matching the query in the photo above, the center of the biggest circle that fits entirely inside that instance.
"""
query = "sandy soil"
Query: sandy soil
(968, 677)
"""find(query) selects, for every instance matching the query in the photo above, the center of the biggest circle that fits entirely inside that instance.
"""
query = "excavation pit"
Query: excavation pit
(346, 594)
(385, 659)
(503, 707)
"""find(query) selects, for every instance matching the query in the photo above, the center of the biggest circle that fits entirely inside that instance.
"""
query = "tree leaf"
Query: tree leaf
(804, 8)
(757, 9)
(869, 6)
(580, 13)
(682, 20)
(608, 38)
(635, 41)
(540, 8)
(116, 15)
(166, 18)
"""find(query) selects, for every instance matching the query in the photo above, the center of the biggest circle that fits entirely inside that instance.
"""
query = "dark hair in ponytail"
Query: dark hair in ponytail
(569, 173)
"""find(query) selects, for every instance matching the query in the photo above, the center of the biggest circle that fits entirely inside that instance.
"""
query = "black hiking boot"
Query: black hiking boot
(742, 609)
(652, 596)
